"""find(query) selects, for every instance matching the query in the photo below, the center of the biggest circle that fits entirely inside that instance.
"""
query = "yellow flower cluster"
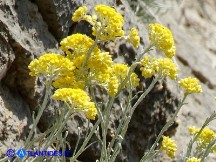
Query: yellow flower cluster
(99, 69)
(133, 37)
(78, 99)
(112, 86)
(79, 14)
(121, 72)
(148, 69)
(193, 159)
(68, 81)
(162, 38)
(167, 68)
(164, 67)
(51, 64)
(100, 65)
(169, 146)
(118, 74)
(77, 44)
(76, 47)
(110, 22)
(191, 85)
(206, 136)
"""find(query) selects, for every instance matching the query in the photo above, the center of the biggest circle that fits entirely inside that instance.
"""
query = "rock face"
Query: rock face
(30, 28)
(194, 30)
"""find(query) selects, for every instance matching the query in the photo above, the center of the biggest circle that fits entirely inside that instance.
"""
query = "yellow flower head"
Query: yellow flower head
(121, 72)
(112, 86)
(169, 146)
(51, 64)
(193, 159)
(193, 130)
(134, 80)
(100, 65)
(77, 44)
(100, 62)
(118, 74)
(68, 81)
(147, 68)
(91, 112)
(133, 37)
(206, 136)
(79, 13)
(162, 38)
(78, 99)
(190, 85)
(164, 67)
(111, 22)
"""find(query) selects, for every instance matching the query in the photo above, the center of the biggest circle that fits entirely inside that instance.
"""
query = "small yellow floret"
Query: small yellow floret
(190, 85)
(79, 13)
(78, 99)
(133, 37)
(193, 159)
(162, 38)
(169, 146)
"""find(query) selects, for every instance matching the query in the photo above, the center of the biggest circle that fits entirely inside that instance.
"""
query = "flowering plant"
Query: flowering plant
(85, 66)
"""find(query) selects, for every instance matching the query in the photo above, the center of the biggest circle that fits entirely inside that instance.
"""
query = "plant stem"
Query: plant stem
(124, 116)
(208, 150)
(126, 123)
(104, 125)
(190, 145)
(41, 110)
(133, 66)
(139, 57)
(89, 54)
(82, 148)
(59, 130)
(149, 154)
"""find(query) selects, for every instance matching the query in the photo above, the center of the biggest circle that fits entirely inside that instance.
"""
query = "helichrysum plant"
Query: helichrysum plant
(73, 78)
